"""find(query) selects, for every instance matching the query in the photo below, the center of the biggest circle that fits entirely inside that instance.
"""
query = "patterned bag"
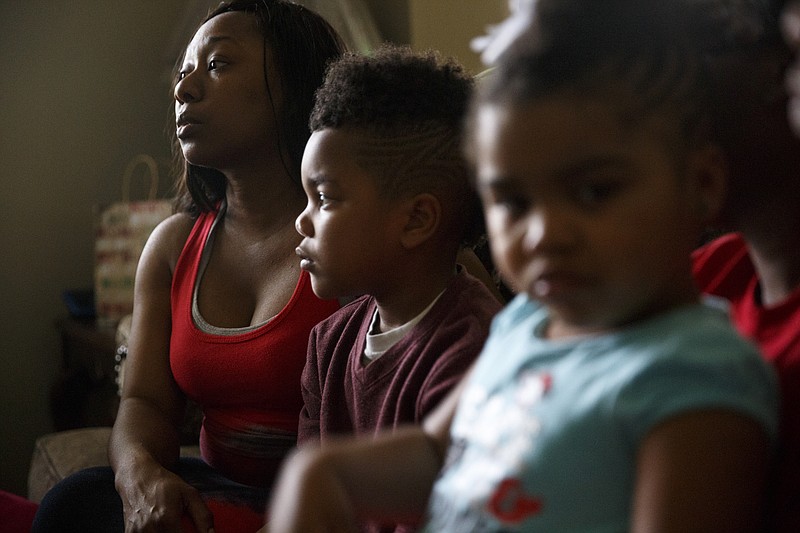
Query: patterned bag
(121, 232)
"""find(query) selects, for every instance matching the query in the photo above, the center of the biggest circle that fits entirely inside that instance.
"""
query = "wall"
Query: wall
(469, 17)
(421, 24)
(84, 89)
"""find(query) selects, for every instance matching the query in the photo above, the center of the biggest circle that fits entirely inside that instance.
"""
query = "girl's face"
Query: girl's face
(589, 216)
(223, 113)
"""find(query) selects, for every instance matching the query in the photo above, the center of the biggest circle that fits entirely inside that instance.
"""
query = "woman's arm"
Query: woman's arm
(145, 439)
(702, 472)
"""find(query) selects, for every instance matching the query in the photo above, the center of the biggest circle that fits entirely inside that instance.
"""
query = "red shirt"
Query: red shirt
(724, 268)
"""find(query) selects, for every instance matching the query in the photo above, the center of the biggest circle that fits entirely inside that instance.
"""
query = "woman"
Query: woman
(222, 311)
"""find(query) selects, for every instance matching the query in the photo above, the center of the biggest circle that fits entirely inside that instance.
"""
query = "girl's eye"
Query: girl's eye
(594, 194)
(322, 200)
(513, 205)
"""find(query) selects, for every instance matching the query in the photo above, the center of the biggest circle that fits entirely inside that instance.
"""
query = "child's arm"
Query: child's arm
(328, 489)
(388, 477)
(703, 471)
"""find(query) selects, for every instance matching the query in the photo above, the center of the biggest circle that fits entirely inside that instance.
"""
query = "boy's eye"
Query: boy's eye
(322, 200)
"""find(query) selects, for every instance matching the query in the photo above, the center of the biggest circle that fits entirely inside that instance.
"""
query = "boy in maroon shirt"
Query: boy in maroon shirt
(389, 207)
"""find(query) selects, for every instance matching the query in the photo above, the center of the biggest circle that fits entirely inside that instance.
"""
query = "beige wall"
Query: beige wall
(445, 25)
(465, 20)
(84, 89)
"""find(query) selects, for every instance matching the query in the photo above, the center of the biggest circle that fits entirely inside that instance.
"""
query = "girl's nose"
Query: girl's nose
(548, 230)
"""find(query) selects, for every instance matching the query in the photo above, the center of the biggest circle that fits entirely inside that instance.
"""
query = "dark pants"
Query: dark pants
(87, 501)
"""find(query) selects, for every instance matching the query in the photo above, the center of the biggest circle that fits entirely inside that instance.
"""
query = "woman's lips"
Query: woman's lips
(185, 125)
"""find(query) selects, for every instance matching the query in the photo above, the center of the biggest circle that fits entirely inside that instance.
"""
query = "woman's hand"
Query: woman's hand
(155, 500)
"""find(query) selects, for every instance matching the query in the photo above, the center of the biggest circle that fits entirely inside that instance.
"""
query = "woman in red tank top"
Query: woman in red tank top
(222, 312)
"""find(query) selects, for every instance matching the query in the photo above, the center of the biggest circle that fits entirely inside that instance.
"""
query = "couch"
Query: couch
(59, 454)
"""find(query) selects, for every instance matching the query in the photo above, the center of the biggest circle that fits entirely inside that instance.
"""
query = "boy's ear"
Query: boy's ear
(708, 172)
(423, 217)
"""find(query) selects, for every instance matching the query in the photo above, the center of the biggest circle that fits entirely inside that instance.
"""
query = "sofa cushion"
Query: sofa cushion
(57, 455)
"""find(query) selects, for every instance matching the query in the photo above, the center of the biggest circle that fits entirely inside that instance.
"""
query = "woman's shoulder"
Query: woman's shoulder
(169, 237)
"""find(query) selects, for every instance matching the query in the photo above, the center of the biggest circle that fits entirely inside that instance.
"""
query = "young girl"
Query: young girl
(608, 397)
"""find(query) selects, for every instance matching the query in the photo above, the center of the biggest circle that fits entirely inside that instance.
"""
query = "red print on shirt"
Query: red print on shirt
(510, 504)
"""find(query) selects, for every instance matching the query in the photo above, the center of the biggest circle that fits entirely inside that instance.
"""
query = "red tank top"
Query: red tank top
(246, 383)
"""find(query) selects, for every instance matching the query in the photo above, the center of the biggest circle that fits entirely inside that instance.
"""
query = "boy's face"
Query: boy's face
(586, 215)
(350, 232)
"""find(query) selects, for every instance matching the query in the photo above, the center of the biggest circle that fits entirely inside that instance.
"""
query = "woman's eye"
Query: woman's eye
(216, 64)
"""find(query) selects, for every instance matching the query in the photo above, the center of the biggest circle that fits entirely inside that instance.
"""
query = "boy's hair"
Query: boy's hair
(745, 54)
(407, 110)
(733, 26)
(593, 47)
(301, 43)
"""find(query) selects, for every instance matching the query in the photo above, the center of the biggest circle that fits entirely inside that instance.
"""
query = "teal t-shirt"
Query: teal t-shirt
(546, 433)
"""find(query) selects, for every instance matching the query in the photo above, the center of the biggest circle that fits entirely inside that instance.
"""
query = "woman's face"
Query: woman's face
(224, 116)
(790, 23)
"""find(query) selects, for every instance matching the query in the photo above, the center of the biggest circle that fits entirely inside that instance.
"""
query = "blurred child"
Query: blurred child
(757, 268)
(389, 206)
(608, 397)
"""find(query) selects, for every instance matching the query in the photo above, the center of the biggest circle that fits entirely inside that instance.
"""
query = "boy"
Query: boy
(757, 269)
(608, 397)
(389, 207)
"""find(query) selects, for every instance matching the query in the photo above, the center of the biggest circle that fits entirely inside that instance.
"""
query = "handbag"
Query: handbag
(121, 231)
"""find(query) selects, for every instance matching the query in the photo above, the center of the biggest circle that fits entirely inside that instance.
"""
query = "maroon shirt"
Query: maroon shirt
(342, 396)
